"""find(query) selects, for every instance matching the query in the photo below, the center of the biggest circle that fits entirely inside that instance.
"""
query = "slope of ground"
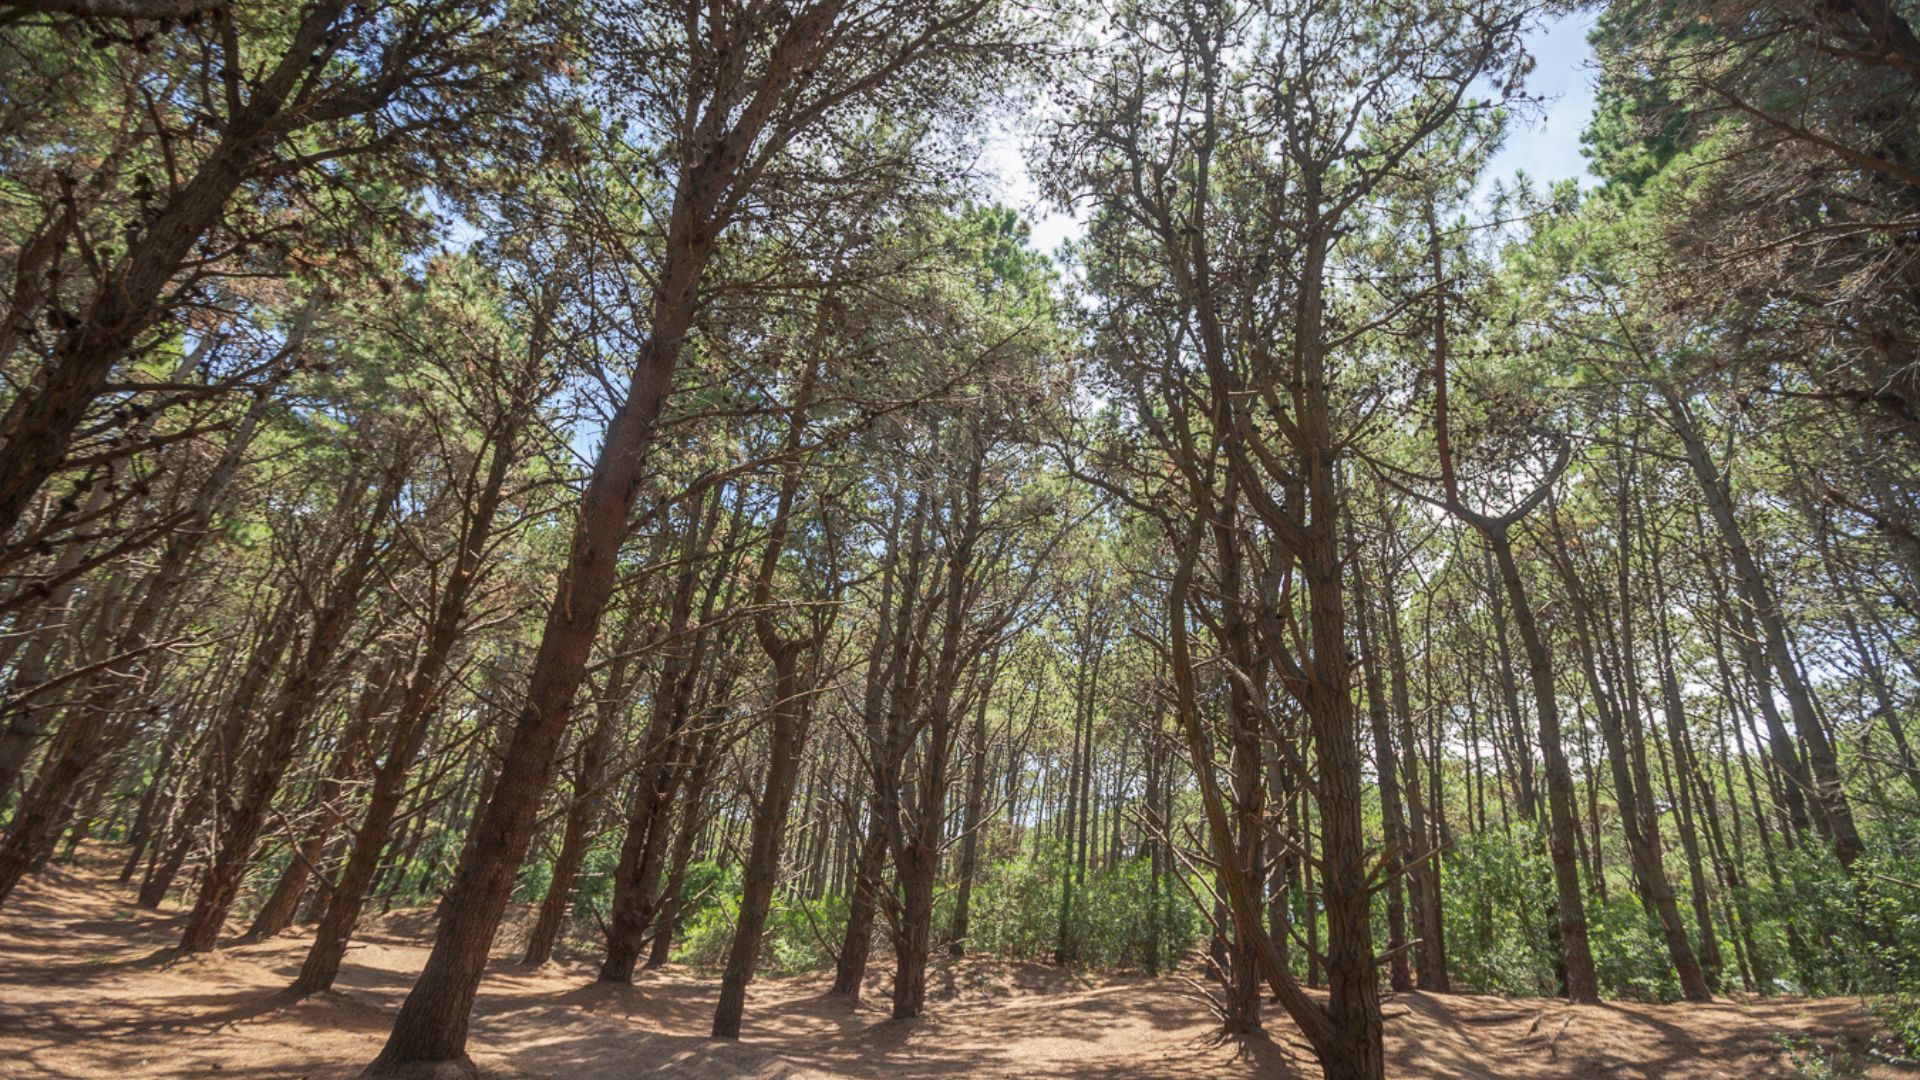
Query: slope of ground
(90, 988)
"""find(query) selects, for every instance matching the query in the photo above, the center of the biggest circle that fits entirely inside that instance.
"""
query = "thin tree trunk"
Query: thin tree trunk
(407, 733)
(296, 699)
(277, 913)
(1760, 596)
(971, 822)
(1581, 982)
(583, 811)
(667, 924)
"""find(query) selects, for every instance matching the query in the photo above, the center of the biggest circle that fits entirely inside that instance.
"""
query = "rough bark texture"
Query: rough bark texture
(432, 1022)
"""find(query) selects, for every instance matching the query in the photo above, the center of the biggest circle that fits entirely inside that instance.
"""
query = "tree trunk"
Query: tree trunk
(691, 820)
(407, 733)
(277, 913)
(583, 811)
(1581, 982)
(762, 868)
(1394, 823)
(432, 1022)
(1760, 596)
(80, 742)
(971, 820)
(295, 701)
(636, 896)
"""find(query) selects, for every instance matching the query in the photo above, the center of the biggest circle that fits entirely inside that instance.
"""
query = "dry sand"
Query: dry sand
(90, 988)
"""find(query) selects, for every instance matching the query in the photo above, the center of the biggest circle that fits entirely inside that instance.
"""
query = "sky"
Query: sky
(1544, 145)
(1547, 146)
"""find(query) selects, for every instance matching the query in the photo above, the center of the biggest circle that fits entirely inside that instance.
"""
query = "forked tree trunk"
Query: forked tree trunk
(791, 708)
(924, 838)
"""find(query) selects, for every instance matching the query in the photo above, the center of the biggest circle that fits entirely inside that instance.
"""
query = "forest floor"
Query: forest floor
(90, 987)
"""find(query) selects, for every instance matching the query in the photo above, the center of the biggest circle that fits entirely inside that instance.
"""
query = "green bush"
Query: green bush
(1629, 956)
(1496, 892)
(1015, 912)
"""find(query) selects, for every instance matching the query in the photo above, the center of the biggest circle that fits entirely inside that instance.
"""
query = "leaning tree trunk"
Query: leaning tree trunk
(643, 850)
(857, 943)
(408, 729)
(37, 431)
(81, 739)
(432, 1023)
(762, 868)
(1635, 801)
(219, 757)
(298, 695)
(1758, 589)
(970, 823)
(582, 812)
(1581, 982)
(692, 818)
(277, 913)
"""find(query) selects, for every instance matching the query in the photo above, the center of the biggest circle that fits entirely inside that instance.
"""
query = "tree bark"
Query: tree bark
(583, 811)
(277, 913)
(432, 1022)
(1758, 590)
(1581, 982)
(408, 729)
(37, 430)
(296, 699)
(1392, 819)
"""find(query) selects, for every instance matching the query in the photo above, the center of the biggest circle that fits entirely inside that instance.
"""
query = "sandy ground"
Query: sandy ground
(90, 988)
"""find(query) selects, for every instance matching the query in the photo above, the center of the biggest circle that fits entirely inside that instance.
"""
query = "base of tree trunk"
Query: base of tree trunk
(462, 1069)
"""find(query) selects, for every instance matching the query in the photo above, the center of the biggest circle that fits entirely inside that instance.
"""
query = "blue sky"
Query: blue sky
(1544, 145)
(1547, 146)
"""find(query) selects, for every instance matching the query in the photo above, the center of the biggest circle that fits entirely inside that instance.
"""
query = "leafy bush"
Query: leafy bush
(804, 935)
(1629, 956)
(706, 935)
(1496, 894)
(1016, 902)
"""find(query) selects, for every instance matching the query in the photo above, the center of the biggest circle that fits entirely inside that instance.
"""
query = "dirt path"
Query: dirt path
(89, 988)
